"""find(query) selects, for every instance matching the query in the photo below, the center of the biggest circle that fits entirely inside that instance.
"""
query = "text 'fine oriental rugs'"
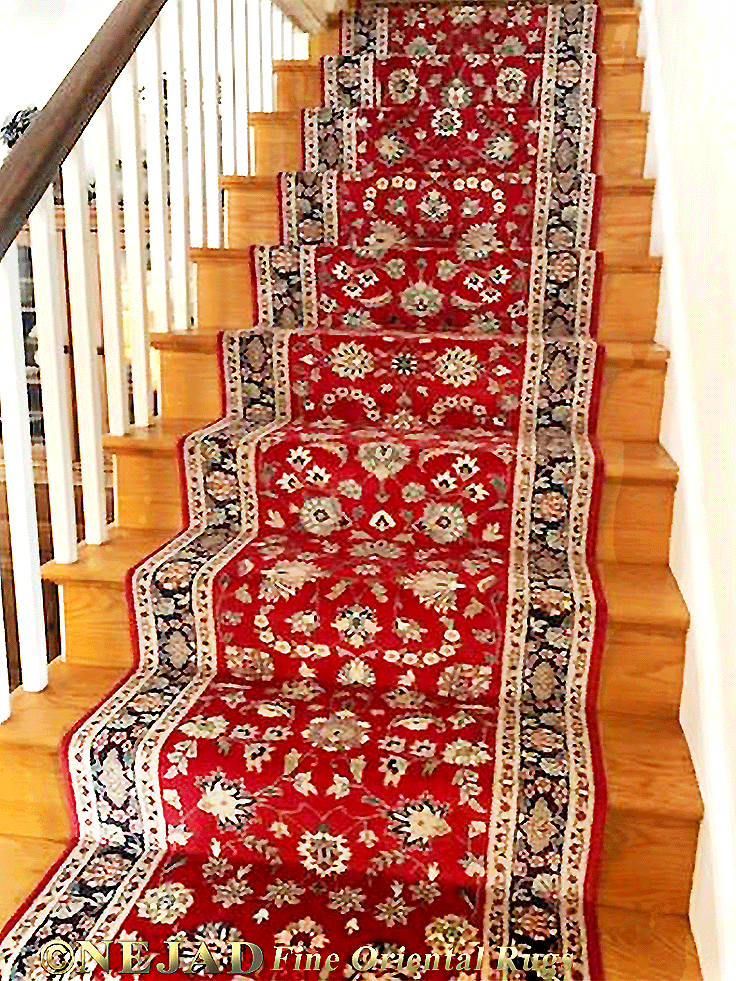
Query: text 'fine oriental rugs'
(363, 714)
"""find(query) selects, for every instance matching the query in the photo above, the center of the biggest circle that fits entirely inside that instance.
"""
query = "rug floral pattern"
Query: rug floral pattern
(361, 710)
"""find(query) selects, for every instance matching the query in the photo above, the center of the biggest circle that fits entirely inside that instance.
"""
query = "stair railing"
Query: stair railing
(116, 177)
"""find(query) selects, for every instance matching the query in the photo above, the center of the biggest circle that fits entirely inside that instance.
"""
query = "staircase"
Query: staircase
(654, 809)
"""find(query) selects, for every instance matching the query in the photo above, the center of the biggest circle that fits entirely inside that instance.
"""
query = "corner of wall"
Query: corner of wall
(704, 710)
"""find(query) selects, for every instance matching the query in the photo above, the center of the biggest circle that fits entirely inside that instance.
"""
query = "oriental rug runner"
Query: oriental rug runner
(363, 715)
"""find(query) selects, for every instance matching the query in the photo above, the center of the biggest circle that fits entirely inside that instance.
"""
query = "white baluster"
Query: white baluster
(212, 124)
(173, 39)
(228, 93)
(266, 56)
(277, 33)
(256, 54)
(109, 245)
(300, 41)
(136, 254)
(195, 122)
(256, 101)
(19, 484)
(4, 678)
(277, 48)
(51, 331)
(241, 34)
(287, 38)
(86, 337)
(158, 184)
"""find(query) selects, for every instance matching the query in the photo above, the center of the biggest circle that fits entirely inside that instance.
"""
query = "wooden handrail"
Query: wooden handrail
(34, 161)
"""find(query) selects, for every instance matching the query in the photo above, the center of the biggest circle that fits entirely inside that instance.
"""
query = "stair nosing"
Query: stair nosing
(137, 443)
(281, 115)
(301, 64)
(268, 182)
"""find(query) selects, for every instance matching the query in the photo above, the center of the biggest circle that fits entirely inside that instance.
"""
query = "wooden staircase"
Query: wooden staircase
(654, 805)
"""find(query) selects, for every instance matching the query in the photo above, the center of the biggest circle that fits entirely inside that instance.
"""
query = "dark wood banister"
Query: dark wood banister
(34, 161)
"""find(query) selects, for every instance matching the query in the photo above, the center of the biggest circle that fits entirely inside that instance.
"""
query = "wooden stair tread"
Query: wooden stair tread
(634, 597)
(236, 255)
(621, 61)
(194, 341)
(42, 718)
(623, 117)
(295, 115)
(632, 185)
(644, 596)
(638, 461)
(620, 352)
(648, 767)
(645, 264)
(161, 437)
(107, 564)
(632, 352)
(622, 10)
(300, 64)
(261, 182)
(623, 460)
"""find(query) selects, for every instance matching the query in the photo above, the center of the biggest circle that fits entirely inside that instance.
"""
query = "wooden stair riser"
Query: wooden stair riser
(631, 401)
(32, 791)
(647, 862)
(623, 223)
(628, 305)
(252, 215)
(190, 386)
(621, 145)
(147, 491)
(644, 945)
(618, 32)
(642, 671)
(324, 43)
(634, 526)
(620, 141)
(619, 85)
(298, 85)
(627, 309)
(97, 624)
(635, 522)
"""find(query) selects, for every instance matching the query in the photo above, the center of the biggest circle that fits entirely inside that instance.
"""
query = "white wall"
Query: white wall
(41, 40)
(690, 47)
